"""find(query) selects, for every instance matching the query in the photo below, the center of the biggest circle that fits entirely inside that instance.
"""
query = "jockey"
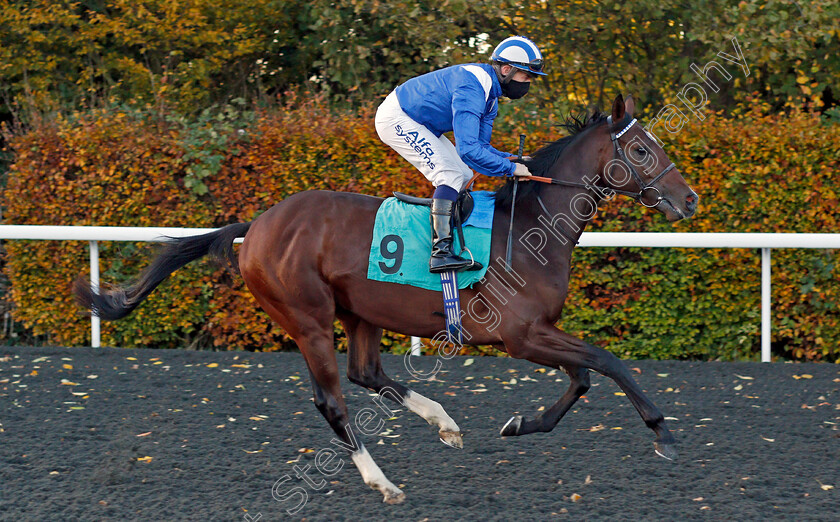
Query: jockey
(462, 99)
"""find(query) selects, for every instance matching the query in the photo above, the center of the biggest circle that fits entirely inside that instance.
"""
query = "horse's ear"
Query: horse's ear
(618, 109)
(630, 106)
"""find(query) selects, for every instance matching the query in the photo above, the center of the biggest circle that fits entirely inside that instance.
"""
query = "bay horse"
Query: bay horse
(305, 260)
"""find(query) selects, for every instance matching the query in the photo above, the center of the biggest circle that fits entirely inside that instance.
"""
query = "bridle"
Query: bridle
(619, 156)
(640, 182)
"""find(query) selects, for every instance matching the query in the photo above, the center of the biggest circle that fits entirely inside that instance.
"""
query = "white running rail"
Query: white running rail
(764, 242)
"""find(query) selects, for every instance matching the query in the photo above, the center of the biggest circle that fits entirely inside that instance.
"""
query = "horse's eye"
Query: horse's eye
(641, 151)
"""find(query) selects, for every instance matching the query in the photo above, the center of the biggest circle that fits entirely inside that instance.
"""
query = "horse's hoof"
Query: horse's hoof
(394, 497)
(665, 450)
(452, 439)
(512, 427)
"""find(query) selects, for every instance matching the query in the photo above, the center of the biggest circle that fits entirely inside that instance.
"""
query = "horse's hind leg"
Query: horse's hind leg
(365, 369)
(311, 326)
(330, 402)
(544, 344)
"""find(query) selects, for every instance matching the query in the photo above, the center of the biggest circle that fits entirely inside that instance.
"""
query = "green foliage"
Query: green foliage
(189, 54)
(376, 44)
(793, 48)
(185, 54)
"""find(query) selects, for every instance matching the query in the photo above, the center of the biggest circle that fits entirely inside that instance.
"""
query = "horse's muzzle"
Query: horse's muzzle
(676, 209)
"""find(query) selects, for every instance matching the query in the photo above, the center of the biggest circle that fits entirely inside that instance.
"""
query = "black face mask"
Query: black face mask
(515, 90)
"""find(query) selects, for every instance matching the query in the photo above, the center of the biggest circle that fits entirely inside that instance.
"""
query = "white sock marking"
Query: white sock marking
(371, 473)
(431, 411)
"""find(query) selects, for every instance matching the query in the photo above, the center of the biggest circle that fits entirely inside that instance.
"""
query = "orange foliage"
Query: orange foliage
(754, 173)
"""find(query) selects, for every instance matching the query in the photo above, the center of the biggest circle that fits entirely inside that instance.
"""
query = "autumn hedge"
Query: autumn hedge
(757, 172)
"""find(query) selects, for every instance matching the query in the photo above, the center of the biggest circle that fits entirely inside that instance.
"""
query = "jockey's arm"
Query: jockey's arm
(469, 128)
(486, 132)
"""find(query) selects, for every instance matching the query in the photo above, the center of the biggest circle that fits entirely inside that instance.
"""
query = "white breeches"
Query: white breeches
(435, 157)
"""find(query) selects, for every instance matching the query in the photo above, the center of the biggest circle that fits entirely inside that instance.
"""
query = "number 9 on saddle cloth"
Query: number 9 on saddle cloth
(400, 246)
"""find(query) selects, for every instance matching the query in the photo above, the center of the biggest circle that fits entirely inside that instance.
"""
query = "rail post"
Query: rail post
(766, 326)
(95, 335)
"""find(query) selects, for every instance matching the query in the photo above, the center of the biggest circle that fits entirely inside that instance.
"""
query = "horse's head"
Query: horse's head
(635, 165)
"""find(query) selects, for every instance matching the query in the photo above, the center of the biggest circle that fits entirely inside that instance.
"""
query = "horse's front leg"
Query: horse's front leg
(546, 421)
(544, 344)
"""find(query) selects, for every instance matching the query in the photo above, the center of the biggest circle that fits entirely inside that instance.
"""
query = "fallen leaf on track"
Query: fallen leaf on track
(144, 434)
(469, 362)
(144, 459)
(745, 377)
(575, 497)
(597, 427)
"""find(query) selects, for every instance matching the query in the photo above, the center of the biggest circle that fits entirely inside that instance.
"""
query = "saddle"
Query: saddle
(463, 206)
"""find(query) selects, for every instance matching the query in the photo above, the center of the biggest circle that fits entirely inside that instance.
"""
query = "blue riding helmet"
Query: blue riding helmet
(521, 53)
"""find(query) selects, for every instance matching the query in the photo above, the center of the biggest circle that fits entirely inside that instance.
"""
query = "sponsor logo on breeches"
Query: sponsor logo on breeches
(422, 147)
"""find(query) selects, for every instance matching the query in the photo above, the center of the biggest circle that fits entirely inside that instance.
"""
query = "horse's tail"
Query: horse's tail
(118, 302)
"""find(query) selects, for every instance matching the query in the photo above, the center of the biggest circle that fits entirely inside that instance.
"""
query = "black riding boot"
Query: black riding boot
(443, 259)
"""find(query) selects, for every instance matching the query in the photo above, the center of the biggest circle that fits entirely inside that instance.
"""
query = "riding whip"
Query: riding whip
(508, 252)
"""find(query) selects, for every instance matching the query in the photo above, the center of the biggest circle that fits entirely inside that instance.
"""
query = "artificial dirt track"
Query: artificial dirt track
(114, 434)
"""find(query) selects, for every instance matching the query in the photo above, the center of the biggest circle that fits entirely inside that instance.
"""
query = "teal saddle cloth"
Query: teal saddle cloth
(402, 243)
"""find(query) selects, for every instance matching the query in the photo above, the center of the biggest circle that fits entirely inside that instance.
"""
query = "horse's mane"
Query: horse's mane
(543, 159)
